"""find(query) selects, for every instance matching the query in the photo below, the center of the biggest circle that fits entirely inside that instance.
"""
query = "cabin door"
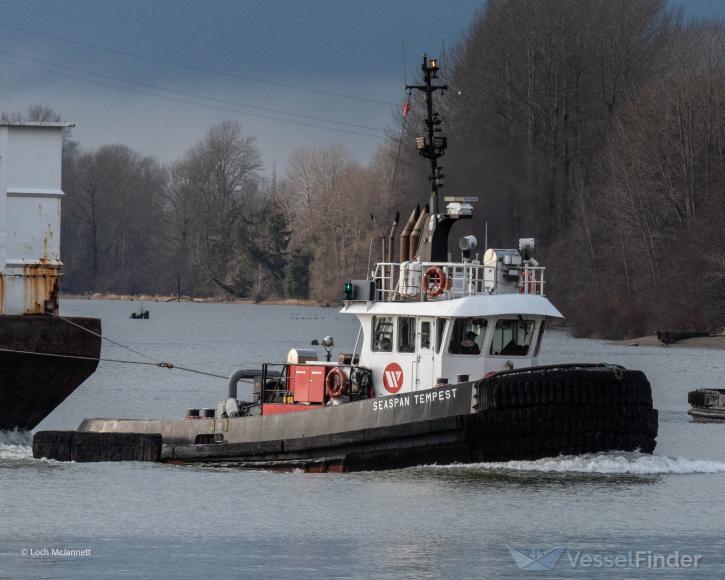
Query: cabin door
(424, 378)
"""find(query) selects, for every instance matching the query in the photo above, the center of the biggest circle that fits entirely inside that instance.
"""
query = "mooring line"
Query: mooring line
(89, 331)
(162, 364)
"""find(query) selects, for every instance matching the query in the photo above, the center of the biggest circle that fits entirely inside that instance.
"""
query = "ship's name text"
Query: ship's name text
(414, 399)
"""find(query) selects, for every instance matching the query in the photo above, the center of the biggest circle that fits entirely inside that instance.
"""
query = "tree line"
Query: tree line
(596, 126)
(209, 224)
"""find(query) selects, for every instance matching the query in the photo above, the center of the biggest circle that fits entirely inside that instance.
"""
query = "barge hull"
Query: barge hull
(32, 386)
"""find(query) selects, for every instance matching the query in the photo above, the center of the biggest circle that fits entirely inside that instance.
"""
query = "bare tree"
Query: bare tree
(113, 207)
(333, 196)
(183, 204)
(227, 164)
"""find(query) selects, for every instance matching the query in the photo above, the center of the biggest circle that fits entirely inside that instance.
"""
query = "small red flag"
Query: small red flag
(406, 108)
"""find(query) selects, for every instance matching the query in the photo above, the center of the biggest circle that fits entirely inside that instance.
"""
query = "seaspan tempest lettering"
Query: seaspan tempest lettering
(418, 399)
(433, 396)
(447, 351)
(391, 403)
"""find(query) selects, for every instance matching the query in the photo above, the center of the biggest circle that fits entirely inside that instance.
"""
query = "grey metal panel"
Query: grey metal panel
(324, 441)
(431, 404)
(29, 192)
(272, 428)
(220, 450)
(171, 431)
(39, 124)
(347, 421)
(244, 429)
(321, 422)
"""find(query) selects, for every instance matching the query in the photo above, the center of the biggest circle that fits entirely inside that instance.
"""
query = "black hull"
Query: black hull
(32, 386)
(443, 441)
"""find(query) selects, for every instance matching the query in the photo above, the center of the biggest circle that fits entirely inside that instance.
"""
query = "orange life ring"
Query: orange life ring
(336, 383)
(438, 286)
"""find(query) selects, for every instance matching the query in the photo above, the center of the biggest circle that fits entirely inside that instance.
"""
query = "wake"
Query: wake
(15, 445)
(606, 463)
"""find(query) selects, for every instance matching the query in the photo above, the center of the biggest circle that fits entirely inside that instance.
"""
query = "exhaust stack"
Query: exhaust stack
(418, 232)
(391, 237)
(405, 235)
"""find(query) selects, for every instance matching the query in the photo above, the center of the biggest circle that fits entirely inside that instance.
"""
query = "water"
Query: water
(148, 520)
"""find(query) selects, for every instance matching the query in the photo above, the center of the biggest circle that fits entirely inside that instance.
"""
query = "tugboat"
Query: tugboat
(43, 357)
(444, 370)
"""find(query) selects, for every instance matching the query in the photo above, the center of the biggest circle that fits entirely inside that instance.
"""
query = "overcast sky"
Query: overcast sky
(99, 62)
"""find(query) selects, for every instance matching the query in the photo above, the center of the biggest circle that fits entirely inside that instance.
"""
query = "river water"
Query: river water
(611, 514)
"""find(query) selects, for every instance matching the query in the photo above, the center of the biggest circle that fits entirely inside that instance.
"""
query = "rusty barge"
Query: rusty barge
(43, 357)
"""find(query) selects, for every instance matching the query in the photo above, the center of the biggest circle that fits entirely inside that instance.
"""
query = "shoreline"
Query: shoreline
(711, 342)
(196, 299)
(707, 342)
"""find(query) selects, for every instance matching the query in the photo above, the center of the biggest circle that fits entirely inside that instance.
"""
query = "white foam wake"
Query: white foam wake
(610, 463)
(15, 445)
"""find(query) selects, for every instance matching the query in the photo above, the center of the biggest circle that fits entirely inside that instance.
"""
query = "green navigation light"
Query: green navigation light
(347, 291)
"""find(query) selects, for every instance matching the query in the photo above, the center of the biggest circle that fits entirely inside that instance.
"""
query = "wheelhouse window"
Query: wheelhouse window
(406, 334)
(512, 337)
(383, 333)
(425, 334)
(467, 336)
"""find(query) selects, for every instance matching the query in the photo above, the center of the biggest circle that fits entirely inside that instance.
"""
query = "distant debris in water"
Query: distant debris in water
(140, 315)
(708, 405)
(672, 336)
(702, 340)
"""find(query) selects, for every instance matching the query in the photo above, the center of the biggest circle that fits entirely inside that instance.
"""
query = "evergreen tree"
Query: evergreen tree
(297, 273)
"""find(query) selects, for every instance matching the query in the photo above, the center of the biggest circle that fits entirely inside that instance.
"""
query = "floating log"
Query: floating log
(88, 447)
(672, 336)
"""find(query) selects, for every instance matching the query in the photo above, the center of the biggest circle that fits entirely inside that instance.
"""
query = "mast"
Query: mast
(433, 246)
(431, 146)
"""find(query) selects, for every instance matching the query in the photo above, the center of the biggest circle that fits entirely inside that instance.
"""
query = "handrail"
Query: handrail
(404, 282)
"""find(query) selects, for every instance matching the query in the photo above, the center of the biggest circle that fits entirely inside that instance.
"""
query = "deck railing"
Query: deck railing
(396, 282)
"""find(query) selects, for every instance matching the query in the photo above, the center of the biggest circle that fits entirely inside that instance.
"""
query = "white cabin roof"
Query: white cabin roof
(465, 307)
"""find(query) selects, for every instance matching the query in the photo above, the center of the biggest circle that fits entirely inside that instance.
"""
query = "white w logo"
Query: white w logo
(394, 379)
